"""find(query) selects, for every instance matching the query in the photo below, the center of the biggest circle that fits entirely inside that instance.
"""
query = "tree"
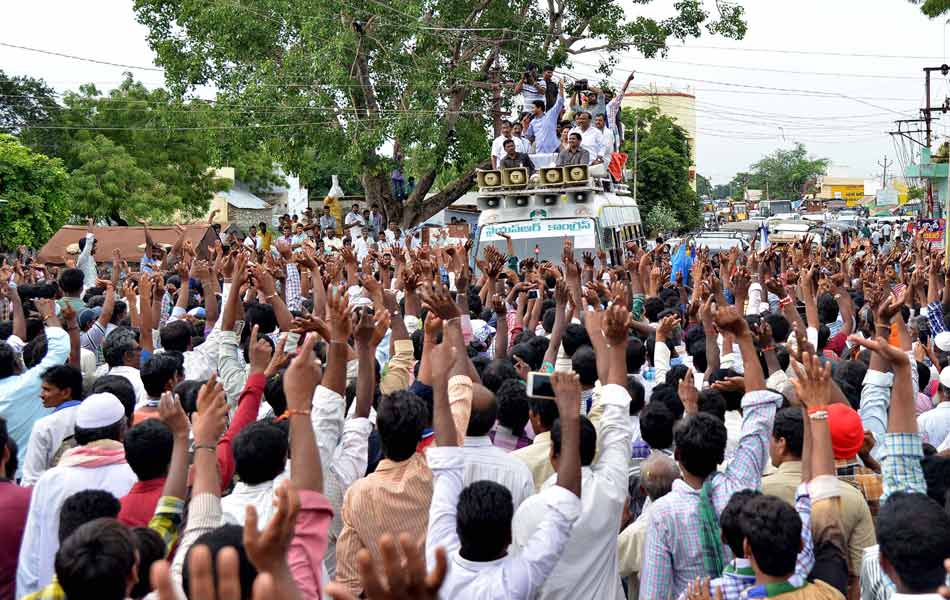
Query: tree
(933, 8)
(25, 103)
(739, 185)
(661, 219)
(356, 85)
(704, 187)
(721, 191)
(35, 193)
(788, 174)
(663, 161)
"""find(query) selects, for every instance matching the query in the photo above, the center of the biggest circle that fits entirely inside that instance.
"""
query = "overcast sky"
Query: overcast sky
(841, 116)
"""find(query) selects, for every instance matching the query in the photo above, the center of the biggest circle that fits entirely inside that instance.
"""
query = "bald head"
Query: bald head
(657, 474)
(484, 411)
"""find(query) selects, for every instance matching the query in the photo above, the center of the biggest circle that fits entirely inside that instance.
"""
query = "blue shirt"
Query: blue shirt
(20, 402)
(544, 130)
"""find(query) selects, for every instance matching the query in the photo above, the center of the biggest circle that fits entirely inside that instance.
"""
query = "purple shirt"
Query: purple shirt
(14, 506)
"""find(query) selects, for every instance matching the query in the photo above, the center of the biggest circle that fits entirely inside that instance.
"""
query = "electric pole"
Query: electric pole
(884, 175)
(636, 158)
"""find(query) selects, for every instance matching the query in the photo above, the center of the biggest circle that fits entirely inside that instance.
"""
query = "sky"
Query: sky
(843, 115)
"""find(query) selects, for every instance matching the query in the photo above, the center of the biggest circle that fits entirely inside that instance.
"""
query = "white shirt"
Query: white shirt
(498, 149)
(609, 140)
(360, 247)
(592, 140)
(352, 217)
(514, 576)
(485, 461)
(259, 495)
(344, 447)
(935, 423)
(47, 436)
(588, 566)
(41, 536)
(86, 263)
(135, 378)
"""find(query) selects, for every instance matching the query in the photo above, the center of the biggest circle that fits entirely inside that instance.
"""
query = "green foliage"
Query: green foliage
(790, 174)
(35, 191)
(915, 193)
(26, 102)
(721, 191)
(933, 8)
(662, 166)
(661, 219)
(703, 186)
(349, 86)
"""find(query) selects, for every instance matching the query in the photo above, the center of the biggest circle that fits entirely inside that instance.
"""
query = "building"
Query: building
(679, 105)
(238, 205)
(855, 191)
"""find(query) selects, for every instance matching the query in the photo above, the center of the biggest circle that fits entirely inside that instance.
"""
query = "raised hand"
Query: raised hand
(615, 327)
(267, 549)
(390, 578)
(895, 356)
(308, 323)
(437, 299)
(729, 320)
(665, 329)
(567, 392)
(212, 414)
(302, 377)
(172, 414)
(688, 394)
(813, 381)
(338, 304)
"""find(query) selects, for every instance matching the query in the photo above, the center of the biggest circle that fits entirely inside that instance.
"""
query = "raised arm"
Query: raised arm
(300, 380)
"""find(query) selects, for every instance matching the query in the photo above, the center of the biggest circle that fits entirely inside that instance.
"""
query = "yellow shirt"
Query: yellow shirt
(538, 458)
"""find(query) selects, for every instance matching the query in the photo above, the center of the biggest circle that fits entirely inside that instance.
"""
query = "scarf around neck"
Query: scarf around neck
(100, 453)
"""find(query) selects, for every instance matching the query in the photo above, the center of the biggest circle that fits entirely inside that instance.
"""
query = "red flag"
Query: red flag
(617, 162)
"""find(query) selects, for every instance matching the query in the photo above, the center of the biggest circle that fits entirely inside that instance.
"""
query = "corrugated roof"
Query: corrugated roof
(126, 239)
(241, 197)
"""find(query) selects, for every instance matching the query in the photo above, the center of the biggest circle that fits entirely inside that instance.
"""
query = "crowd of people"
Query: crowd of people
(281, 416)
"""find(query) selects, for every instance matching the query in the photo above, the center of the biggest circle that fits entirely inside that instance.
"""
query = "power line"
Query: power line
(80, 58)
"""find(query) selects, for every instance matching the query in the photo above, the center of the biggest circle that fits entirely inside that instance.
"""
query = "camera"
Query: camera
(580, 85)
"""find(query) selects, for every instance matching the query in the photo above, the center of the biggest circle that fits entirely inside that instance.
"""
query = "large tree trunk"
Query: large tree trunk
(419, 208)
(377, 187)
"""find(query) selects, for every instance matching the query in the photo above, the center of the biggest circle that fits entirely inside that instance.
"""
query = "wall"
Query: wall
(681, 106)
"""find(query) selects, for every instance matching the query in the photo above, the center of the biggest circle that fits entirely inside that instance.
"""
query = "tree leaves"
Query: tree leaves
(35, 190)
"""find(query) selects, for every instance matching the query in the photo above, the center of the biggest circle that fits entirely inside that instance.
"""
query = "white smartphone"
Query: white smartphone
(539, 385)
(290, 346)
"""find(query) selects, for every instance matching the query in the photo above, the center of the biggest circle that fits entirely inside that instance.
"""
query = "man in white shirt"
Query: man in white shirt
(98, 463)
(483, 461)
(497, 146)
(934, 425)
(61, 391)
(473, 524)
(123, 355)
(86, 262)
(592, 139)
(600, 123)
(354, 221)
(588, 566)
(260, 457)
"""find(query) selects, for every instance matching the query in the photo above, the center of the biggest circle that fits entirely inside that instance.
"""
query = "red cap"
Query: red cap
(847, 431)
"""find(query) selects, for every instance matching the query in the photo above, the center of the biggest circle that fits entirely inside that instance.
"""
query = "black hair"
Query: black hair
(668, 394)
(539, 344)
(274, 393)
(788, 425)
(913, 532)
(70, 281)
(937, 475)
(712, 402)
(733, 397)
(637, 395)
(83, 507)
(539, 104)
(923, 375)
(117, 344)
(159, 370)
(676, 374)
(483, 521)
(400, 420)
(656, 425)
(109, 432)
(497, 372)
(730, 520)
(512, 401)
(774, 532)
(824, 333)
(849, 375)
(526, 352)
(779, 325)
(697, 350)
(118, 386)
(588, 440)
(34, 351)
(148, 449)
(177, 335)
(216, 540)
(652, 307)
(584, 363)
(482, 418)
(261, 315)
(700, 442)
(574, 337)
(151, 548)
(187, 393)
(636, 354)
(545, 409)
(260, 452)
(827, 308)
(65, 377)
(95, 562)
(8, 358)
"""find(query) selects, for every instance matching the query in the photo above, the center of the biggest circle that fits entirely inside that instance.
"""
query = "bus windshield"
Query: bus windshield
(545, 235)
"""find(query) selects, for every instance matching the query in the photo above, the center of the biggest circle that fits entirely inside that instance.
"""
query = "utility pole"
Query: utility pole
(884, 166)
(494, 76)
(927, 113)
(766, 189)
(636, 158)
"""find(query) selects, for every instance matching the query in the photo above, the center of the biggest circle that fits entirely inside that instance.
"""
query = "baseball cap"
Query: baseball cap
(99, 410)
(89, 315)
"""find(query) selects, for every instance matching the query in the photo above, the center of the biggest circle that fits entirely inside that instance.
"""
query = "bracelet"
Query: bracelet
(271, 296)
(821, 415)
(819, 408)
(297, 412)
(206, 447)
(784, 302)
(768, 349)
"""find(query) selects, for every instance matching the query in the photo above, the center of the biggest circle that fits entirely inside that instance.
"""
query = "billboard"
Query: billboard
(932, 230)
(847, 192)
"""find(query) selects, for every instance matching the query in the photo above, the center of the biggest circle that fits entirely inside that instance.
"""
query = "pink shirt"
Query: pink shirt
(305, 555)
